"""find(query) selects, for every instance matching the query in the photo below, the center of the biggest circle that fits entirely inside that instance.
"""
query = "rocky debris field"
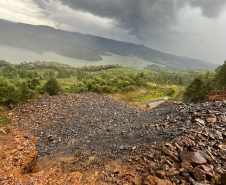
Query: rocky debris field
(92, 122)
(95, 139)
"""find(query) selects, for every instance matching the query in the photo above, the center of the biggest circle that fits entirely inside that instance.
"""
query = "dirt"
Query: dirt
(95, 139)
(18, 156)
(19, 165)
(217, 96)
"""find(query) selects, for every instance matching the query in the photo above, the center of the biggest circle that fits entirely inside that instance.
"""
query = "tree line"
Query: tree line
(30, 80)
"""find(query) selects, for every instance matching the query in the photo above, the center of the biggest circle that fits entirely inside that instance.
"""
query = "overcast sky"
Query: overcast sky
(191, 28)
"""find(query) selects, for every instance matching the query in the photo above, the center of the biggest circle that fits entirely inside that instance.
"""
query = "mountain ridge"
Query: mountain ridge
(41, 38)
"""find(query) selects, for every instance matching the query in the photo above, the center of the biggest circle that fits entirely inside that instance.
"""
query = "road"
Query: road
(152, 104)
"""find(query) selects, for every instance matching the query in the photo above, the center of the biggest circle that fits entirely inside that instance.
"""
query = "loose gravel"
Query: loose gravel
(93, 122)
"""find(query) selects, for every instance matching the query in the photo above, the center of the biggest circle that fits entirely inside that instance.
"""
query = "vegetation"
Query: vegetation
(4, 63)
(202, 85)
(51, 86)
(196, 90)
(9, 93)
(4, 120)
(31, 80)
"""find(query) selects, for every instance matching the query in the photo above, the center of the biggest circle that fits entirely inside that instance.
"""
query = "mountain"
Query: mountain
(87, 47)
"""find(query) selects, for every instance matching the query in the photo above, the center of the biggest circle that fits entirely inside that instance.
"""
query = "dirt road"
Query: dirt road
(152, 104)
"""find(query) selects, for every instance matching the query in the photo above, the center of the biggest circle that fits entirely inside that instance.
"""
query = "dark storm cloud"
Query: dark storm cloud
(141, 18)
(137, 17)
(209, 8)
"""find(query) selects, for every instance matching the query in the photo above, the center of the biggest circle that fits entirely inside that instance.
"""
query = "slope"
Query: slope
(86, 47)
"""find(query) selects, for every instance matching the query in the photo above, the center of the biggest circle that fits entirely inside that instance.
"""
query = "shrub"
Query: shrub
(108, 89)
(25, 92)
(171, 91)
(8, 92)
(51, 86)
(129, 88)
(100, 89)
(81, 87)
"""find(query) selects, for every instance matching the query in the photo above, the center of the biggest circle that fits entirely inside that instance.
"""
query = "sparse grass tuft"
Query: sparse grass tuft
(4, 120)
(2, 108)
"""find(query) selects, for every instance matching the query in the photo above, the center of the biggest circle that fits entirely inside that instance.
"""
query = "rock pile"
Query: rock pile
(200, 155)
(178, 143)
(91, 122)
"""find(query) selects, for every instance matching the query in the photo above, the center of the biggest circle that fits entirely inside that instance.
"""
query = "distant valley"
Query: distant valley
(16, 55)
(88, 49)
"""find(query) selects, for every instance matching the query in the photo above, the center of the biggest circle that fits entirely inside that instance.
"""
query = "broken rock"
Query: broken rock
(173, 173)
(164, 182)
(192, 157)
(160, 174)
(166, 151)
(199, 174)
(187, 166)
(212, 119)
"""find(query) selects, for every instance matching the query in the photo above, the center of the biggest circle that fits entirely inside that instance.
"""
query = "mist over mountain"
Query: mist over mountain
(87, 47)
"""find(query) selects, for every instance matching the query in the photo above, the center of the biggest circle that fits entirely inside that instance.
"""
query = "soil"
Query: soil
(96, 139)
(217, 96)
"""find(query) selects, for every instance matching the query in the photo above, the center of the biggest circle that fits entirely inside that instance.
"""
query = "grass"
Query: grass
(2, 109)
(4, 120)
(66, 82)
(137, 97)
(150, 93)
(116, 72)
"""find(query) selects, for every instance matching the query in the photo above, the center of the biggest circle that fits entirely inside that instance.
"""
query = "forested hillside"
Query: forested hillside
(24, 81)
(87, 47)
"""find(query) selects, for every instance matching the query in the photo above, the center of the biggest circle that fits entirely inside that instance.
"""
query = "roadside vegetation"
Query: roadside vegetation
(32, 80)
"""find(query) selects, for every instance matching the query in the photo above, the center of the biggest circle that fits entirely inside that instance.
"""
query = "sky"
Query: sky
(190, 28)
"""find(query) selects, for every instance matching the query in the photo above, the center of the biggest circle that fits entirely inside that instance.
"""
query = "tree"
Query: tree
(9, 71)
(196, 90)
(81, 74)
(30, 75)
(8, 92)
(22, 73)
(52, 86)
(220, 77)
(25, 91)
(36, 74)
(32, 83)
(63, 73)
(4, 63)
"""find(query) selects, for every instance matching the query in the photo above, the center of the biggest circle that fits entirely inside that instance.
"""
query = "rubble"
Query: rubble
(192, 157)
(95, 122)
(95, 139)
